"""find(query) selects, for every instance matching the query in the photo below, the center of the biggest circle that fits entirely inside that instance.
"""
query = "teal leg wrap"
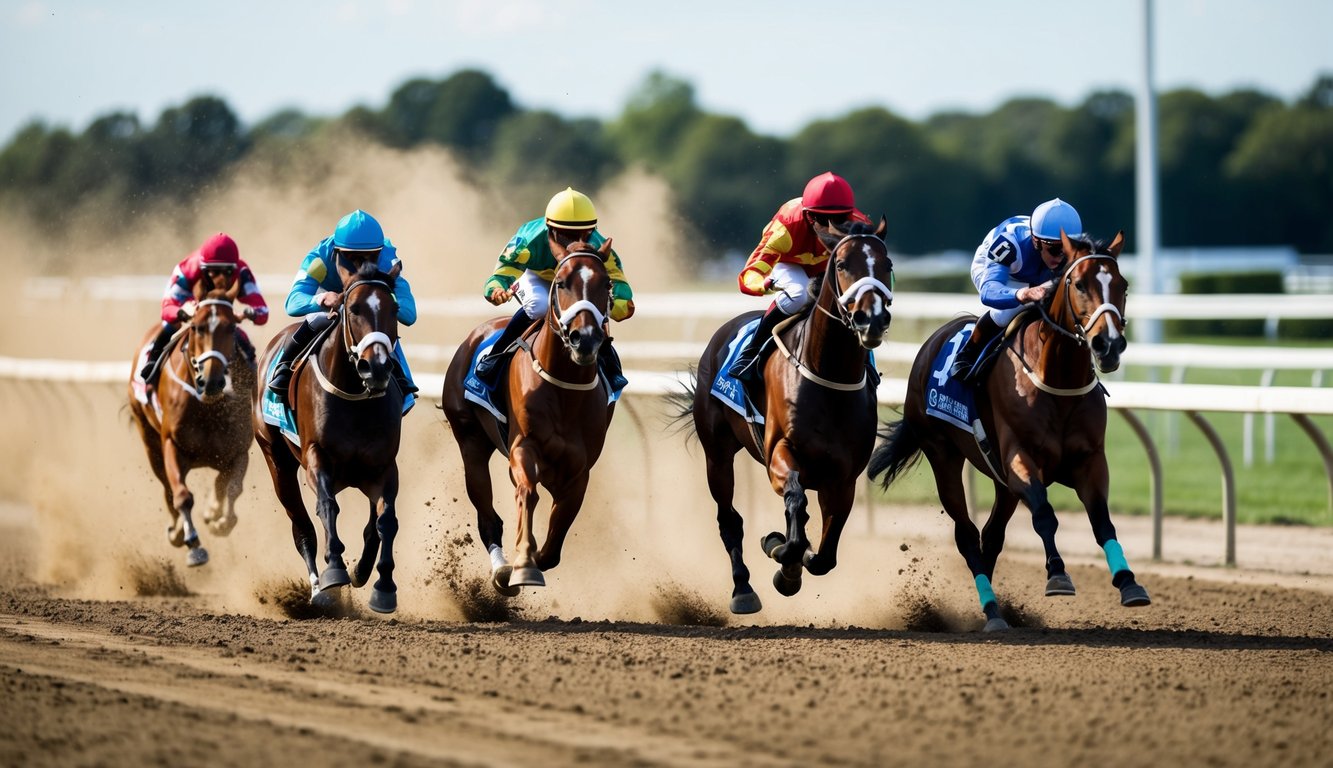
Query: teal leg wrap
(1115, 557)
(984, 591)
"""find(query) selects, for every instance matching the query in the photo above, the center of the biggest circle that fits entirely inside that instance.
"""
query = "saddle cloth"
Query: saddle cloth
(476, 392)
(728, 389)
(946, 398)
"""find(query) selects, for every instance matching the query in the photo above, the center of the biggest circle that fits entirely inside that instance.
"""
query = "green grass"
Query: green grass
(1292, 490)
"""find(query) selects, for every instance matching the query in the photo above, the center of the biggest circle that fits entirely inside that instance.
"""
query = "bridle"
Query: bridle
(558, 320)
(1080, 333)
(354, 349)
(197, 362)
(857, 289)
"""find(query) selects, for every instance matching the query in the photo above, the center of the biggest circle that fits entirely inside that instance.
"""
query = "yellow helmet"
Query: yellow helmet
(571, 209)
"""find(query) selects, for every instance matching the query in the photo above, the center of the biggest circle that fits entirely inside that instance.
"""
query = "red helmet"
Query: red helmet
(828, 193)
(219, 251)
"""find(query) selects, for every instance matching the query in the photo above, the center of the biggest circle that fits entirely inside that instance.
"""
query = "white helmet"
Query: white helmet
(1053, 216)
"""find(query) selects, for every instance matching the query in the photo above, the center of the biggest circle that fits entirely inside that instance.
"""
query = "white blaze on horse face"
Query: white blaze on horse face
(1104, 277)
(374, 303)
(213, 320)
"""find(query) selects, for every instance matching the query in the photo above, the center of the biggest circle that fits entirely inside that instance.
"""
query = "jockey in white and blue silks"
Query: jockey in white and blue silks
(1014, 265)
(318, 288)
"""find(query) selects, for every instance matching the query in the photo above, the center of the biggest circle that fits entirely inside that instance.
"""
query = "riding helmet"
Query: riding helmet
(219, 251)
(571, 209)
(1053, 216)
(358, 231)
(828, 193)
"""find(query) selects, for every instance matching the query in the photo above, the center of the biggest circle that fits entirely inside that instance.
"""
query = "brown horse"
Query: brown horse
(349, 419)
(1043, 418)
(197, 416)
(819, 412)
(557, 416)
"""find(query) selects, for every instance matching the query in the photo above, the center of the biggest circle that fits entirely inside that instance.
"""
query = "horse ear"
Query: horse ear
(882, 228)
(234, 289)
(605, 250)
(198, 288)
(1117, 243)
(1065, 242)
(395, 270)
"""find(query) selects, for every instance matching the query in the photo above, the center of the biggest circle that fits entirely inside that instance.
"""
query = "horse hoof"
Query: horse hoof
(746, 603)
(223, 526)
(996, 624)
(334, 577)
(529, 576)
(197, 556)
(500, 580)
(176, 535)
(771, 542)
(1059, 584)
(383, 602)
(325, 601)
(785, 586)
(1133, 596)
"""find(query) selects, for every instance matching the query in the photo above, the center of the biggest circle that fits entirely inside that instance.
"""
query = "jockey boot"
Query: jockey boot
(966, 358)
(488, 367)
(245, 346)
(744, 367)
(282, 373)
(609, 363)
(154, 354)
(405, 384)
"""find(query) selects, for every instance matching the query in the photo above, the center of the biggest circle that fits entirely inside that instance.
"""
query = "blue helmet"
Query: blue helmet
(358, 231)
(1053, 216)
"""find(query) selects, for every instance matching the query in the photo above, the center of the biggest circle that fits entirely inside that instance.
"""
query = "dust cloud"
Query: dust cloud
(645, 546)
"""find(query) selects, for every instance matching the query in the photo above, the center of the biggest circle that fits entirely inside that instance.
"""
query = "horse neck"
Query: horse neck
(334, 359)
(828, 347)
(1064, 362)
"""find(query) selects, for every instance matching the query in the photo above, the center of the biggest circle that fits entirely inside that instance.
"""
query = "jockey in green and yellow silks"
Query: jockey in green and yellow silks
(526, 268)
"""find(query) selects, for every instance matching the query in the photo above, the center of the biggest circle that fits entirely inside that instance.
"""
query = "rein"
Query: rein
(354, 350)
(1080, 336)
(197, 363)
(558, 321)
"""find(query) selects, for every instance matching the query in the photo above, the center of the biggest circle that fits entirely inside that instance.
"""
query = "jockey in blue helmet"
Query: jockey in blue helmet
(318, 288)
(1013, 266)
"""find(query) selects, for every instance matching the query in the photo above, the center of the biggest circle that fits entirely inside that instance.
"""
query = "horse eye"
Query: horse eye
(840, 266)
(560, 284)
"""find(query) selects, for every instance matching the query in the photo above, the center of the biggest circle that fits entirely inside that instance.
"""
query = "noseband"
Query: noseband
(370, 339)
(563, 318)
(1080, 333)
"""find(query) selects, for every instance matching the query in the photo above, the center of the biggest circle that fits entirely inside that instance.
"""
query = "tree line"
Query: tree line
(1242, 168)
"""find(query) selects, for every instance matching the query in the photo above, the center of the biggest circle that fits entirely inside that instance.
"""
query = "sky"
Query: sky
(777, 64)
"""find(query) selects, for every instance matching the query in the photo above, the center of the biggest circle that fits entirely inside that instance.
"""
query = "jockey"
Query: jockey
(526, 268)
(789, 254)
(214, 263)
(1013, 266)
(317, 290)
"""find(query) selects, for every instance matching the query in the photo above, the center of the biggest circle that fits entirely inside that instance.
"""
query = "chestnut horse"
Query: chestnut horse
(197, 416)
(1043, 417)
(349, 419)
(819, 412)
(558, 414)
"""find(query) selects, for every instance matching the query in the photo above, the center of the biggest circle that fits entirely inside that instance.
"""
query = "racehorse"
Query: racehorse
(819, 412)
(1042, 413)
(558, 413)
(349, 420)
(196, 416)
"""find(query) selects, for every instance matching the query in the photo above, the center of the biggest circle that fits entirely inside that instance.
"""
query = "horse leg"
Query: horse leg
(175, 531)
(992, 533)
(477, 448)
(947, 467)
(1027, 484)
(835, 504)
(370, 535)
(523, 470)
(183, 502)
(789, 551)
(326, 507)
(384, 593)
(221, 515)
(282, 467)
(721, 469)
(565, 506)
(1093, 491)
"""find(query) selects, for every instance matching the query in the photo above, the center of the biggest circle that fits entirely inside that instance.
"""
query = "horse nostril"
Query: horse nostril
(1098, 345)
(574, 336)
(1120, 345)
(860, 318)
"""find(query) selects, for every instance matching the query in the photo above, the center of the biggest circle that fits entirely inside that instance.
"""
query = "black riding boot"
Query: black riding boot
(608, 360)
(488, 367)
(744, 366)
(300, 338)
(966, 358)
(155, 353)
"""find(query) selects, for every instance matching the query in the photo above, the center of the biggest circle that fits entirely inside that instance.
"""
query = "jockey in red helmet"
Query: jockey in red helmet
(789, 254)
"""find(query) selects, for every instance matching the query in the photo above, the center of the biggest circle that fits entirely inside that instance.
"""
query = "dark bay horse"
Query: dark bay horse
(819, 411)
(197, 416)
(349, 419)
(557, 416)
(1043, 412)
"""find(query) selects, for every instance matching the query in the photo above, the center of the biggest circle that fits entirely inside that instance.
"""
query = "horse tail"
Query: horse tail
(681, 403)
(899, 449)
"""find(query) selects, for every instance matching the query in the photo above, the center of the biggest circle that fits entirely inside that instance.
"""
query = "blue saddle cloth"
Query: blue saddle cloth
(727, 388)
(476, 391)
(946, 397)
(275, 411)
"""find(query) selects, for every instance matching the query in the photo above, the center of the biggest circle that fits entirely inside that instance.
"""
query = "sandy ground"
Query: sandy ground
(113, 653)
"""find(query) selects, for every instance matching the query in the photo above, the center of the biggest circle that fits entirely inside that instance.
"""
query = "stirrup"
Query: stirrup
(282, 378)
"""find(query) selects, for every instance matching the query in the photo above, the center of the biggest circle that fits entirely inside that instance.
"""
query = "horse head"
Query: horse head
(212, 338)
(581, 299)
(370, 321)
(862, 273)
(1091, 298)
